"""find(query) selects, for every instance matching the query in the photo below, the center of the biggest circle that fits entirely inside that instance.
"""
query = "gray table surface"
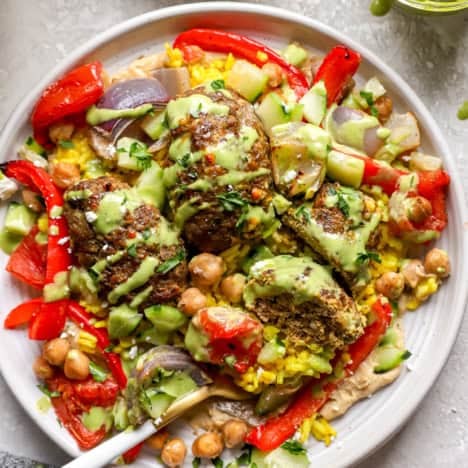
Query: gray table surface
(430, 53)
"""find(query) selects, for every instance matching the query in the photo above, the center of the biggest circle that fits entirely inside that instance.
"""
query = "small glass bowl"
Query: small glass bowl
(432, 7)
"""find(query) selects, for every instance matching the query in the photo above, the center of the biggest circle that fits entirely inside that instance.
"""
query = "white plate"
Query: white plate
(431, 331)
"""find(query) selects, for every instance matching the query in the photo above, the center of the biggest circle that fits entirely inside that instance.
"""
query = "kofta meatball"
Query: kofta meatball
(112, 231)
(217, 169)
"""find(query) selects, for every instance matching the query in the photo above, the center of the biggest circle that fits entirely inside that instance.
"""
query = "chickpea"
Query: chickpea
(174, 452)
(61, 131)
(234, 432)
(192, 300)
(206, 270)
(157, 441)
(419, 208)
(64, 174)
(55, 351)
(437, 263)
(42, 368)
(32, 200)
(232, 287)
(413, 271)
(384, 106)
(390, 284)
(208, 445)
(76, 365)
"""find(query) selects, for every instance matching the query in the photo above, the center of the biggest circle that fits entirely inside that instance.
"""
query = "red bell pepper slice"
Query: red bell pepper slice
(78, 314)
(37, 179)
(70, 95)
(22, 314)
(244, 47)
(28, 261)
(337, 68)
(78, 397)
(131, 455)
(312, 397)
(49, 320)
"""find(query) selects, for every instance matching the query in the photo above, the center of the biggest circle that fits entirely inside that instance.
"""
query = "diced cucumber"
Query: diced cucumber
(165, 318)
(280, 204)
(153, 336)
(345, 169)
(155, 126)
(391, 337)
(389, 357)
(81, 282)
(273, 111)
(247, 79)
(150, 185)
(19, 219)
(261, 252)
(294, 54)
(132, 154)
(315, 103)
(271, 351)
(279, 458)
(154, 402)
(122, 321)
(9, 241)
(177, 385)
(120, 414)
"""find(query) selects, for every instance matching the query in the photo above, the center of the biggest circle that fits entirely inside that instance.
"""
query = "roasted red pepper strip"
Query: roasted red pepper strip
(313, 396)
(52, 314)
(37, 179)
(78, 314)
(75, 399)
(70, 95)
(28, 261)
(337, 68)
(22, 314)
(244, 47)
(131, 455)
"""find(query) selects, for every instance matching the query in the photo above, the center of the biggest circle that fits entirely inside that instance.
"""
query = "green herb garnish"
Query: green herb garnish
(243, 217)
(184, 160)
(246, 457)
(139, 151)
(97, 372)
(171, 263)
(67, 144)
(294, 447)
(132, 251)
(33, 145)
(304, 211)
(196, 462)
(45, 390)
(369, 98)
(217, 462)
(231, 200)
(218, 84)
(366, 257)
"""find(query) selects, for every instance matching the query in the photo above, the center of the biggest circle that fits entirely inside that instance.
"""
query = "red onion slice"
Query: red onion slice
(128, 95)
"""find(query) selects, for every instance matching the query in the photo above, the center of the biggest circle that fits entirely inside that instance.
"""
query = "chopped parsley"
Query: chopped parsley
(184, 160)
(231, 200)
(146, 234)
(366, 257)
(45, 390)
(66, 144)
(246, 457)
(132, 251)
(196, 462)
(139, 151)
(217, 84)
(369, 98)
(342, 204)
(294, 447)
(217, 462)
(171, 263)
(243, 217)
(304, 211)
(97, 372)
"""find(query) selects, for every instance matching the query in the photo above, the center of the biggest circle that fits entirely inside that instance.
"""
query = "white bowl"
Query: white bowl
(431, 331)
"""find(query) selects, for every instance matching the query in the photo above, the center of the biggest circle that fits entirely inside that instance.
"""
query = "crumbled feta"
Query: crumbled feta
(8, 187)
(90, 216)
(63, 240)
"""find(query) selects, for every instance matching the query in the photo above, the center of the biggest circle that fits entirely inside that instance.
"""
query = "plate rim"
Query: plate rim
(23, 108)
